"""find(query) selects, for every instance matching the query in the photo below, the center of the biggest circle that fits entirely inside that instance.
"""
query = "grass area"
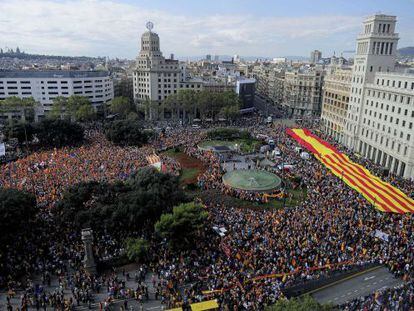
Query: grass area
(190, 167)
(188, 174)
(246, 145)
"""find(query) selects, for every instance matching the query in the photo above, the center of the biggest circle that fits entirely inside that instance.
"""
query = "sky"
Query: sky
(266, 28)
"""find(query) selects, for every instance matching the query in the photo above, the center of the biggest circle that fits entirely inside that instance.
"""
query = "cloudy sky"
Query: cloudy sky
(266, 28)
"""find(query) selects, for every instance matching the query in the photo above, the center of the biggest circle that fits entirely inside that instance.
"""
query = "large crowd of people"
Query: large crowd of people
(332, 229)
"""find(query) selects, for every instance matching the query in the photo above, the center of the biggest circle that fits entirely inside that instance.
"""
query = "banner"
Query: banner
(380, 194)
(154, 161)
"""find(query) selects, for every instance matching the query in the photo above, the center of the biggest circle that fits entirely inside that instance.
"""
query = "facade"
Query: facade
(276, 85)
(302, 95)
(245, 88)
(336, 92)
(380, 117)
(44, 86)
(155, 77)
(316, 56)
(124, 86)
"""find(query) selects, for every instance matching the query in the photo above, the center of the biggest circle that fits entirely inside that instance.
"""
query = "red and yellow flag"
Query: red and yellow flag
(382, 195)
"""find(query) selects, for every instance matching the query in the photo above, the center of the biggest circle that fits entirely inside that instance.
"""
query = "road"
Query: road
(266, 108)
(357, 285)
(152, 304)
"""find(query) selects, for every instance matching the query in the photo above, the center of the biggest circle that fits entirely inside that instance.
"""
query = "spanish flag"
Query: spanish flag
(380, 194)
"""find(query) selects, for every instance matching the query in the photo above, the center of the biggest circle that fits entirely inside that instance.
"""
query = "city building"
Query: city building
(302, 93)
(44, 86)
(245, 88)
(155, 77)
(276, 85)
(316, 56)
(380, 118)
(336, 92)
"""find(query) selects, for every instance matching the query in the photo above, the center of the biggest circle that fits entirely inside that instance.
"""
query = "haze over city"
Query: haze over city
(264, 28)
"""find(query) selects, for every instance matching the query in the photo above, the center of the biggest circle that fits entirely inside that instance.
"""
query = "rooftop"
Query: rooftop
(52, 74)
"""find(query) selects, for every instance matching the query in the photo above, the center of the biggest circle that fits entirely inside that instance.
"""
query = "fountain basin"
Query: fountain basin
(252, 180)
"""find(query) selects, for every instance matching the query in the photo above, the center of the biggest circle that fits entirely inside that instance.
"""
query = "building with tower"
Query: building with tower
(155, 77)
(379, 123)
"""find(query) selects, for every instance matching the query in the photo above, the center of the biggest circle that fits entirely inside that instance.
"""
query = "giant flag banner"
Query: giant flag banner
(381, 194)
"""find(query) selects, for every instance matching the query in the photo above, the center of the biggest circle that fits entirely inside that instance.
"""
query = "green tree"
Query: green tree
(58, 110)
(78, 107)
(17, 210)
(132, 205)
(121, 106)
(25, 106)
(58, 133)
(180, 228)
(126, 133)
(85, 113)
(305, 303)
(22, 131)
(137, 249)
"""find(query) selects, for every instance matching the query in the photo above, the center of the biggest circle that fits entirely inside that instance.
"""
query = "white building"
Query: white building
(44, 86)
(155, 77)
(380, 118)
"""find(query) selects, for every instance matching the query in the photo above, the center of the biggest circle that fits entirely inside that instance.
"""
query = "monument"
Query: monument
(87, 239)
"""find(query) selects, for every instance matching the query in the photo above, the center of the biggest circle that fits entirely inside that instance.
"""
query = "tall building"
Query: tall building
(302, 94)
(208, 57)
(316, 56)
(336, 92)
(44, 86)
(380, 118)
(276, 85)
(155, 77)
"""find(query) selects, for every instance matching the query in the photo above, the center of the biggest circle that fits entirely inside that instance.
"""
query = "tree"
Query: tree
(137, 249)
(76, 206)
(25, 106)
(122, 106)
(22, 131)
(59, 108)
(126, 133)
(85, 113)
(305, 303)
(17, 210)
(58, 133)
(76, 107)
(180, 228)
(151, 194)
(131, 205)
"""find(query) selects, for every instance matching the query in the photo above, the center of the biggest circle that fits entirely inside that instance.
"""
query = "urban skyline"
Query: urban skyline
(112, 28)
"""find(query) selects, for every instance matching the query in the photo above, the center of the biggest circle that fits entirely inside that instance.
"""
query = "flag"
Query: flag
(382, 195)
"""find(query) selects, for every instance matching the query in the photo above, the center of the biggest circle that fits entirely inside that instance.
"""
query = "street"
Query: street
(359, 285)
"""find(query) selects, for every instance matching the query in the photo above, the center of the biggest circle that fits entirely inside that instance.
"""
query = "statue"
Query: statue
(88, 261)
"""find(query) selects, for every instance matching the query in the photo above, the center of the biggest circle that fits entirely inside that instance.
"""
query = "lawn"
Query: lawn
(190, 167)
(246, 145)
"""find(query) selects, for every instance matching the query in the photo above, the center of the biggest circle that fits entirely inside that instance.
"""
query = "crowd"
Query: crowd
(332, 229)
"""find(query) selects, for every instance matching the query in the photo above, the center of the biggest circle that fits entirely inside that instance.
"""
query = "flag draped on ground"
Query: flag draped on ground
(381, 194)
(155, 161)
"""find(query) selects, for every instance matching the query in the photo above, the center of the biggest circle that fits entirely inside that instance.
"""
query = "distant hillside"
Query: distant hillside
(407, 51)
(22, 55)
